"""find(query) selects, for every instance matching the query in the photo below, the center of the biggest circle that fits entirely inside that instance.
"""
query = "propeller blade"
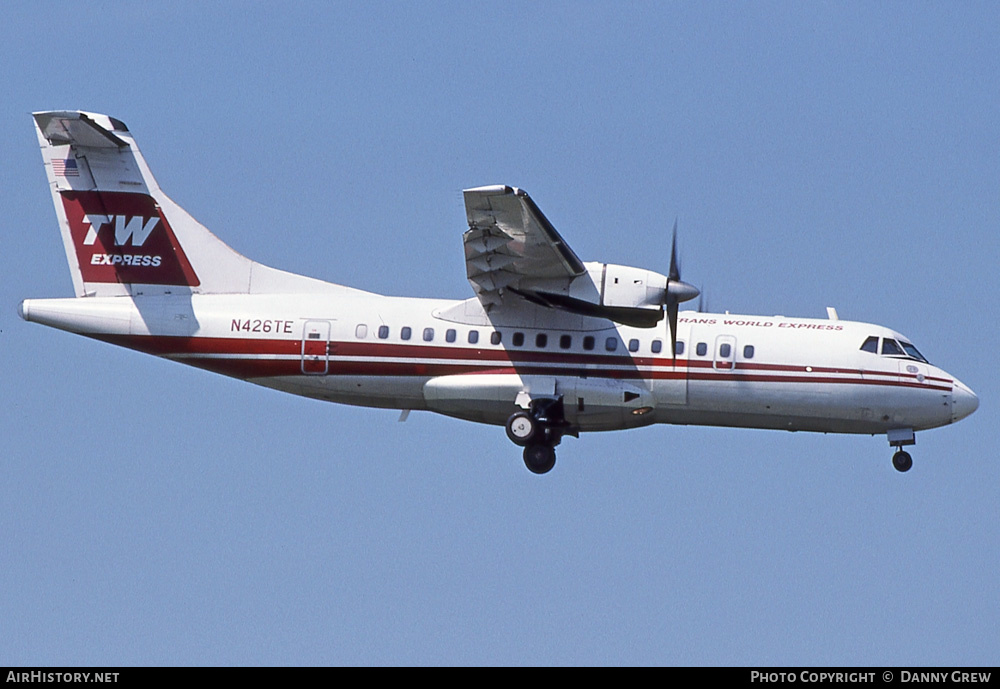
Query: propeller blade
(675, 271)
(676, 292)
(672, 310)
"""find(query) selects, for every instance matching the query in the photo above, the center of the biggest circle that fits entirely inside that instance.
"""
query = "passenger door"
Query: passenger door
(316, 348)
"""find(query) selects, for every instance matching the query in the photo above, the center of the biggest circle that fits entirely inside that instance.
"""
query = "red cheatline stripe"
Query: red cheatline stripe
(257, 368)
(429, 360)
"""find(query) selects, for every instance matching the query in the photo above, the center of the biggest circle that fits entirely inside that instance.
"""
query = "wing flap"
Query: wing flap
(511, 243)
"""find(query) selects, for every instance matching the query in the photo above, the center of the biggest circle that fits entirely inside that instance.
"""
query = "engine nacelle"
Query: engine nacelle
(627, 295)
(625, 286)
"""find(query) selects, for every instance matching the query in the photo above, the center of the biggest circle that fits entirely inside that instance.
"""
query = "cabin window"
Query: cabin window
(725, 350)
(449, 335)
(428, 334)
(495, 337)
(588, 342)
(383, 332)
(405, 332)
(518, 340)
(633, 345)
(657, 346)
(701, 349)
(748, 352)
(891, 348)
(541, 340)
(565, 342)
(870, 345)
(679, 347)
(473, 336)
(361, 332)
(611, 344)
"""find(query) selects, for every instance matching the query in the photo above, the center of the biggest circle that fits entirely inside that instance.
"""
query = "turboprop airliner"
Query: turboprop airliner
(548, 346)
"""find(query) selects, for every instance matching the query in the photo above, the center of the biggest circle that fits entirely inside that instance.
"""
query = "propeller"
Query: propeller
(677, 291)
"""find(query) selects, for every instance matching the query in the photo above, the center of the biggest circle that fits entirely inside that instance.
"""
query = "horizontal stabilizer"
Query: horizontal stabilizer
(80, 129)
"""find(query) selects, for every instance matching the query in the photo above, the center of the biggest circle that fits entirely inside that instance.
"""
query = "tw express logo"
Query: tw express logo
(134, 230)
(123, 237)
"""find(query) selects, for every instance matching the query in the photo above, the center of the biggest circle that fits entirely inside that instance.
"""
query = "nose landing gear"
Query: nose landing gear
(538, 431)
(898, 437)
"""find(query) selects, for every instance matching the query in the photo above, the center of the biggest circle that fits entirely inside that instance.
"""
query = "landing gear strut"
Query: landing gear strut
(538, 431)
(902, 461)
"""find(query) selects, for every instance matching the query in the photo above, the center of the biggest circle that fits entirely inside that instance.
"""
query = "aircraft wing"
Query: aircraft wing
(511, 244)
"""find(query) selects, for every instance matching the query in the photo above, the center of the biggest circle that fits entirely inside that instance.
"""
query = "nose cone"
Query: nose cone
(964, 401)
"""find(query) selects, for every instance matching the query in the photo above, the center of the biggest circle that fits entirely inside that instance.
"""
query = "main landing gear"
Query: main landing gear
(902, 461)
(538, 431)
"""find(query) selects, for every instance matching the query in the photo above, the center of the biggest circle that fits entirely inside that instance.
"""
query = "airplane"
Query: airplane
(548, 346)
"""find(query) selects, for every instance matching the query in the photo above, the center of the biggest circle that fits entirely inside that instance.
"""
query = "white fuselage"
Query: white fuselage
(548, 346)
(444, 356)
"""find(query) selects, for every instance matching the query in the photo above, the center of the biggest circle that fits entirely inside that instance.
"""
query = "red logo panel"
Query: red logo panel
(124, 237)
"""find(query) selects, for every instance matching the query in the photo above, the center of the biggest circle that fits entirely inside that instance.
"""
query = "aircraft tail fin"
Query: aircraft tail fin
(121, 233)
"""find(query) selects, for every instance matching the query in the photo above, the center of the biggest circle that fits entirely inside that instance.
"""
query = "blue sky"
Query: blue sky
(815, 154)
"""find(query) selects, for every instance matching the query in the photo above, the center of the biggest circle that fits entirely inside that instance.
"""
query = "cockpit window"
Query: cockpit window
(891, 348)
(912, 351)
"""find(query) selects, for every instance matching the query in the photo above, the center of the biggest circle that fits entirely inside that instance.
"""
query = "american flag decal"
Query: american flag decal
(65, 168)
